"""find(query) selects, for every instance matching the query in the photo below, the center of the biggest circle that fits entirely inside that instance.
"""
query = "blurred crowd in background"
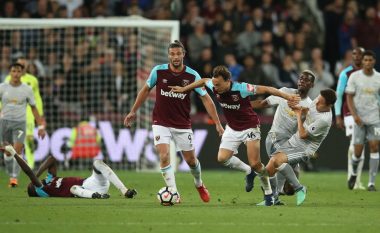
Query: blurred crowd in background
(265, 42)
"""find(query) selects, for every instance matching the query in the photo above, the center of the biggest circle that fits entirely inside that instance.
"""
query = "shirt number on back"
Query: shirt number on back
(20, 132)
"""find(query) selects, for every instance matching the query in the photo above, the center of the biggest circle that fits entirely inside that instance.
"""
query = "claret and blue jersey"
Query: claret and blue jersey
(172, 109)
(236, 105)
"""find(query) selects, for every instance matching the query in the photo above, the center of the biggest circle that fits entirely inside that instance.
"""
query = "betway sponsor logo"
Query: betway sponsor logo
(230, 106)
(173, 94)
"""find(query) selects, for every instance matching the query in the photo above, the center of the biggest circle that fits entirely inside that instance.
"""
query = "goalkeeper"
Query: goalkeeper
(31, 81)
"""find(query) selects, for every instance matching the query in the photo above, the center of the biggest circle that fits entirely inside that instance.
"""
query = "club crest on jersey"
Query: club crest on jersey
(157, 138)
(235, 97)
(185, 82)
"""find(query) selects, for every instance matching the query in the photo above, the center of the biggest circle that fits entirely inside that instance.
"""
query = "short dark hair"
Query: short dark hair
(16, 65)
(222, 71)
(369, 53)
(310, 74)
(177, 44)
(329, 95)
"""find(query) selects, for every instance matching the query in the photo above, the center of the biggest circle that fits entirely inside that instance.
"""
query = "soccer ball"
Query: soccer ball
(167, 196)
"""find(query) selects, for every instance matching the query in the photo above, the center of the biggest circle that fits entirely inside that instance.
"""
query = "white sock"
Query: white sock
(196, 171)
(264, 178)
(373, 167)
(349, 155)
(235, 163)
(81, 192)
(168, 175)
(360, 169)
(108, 173)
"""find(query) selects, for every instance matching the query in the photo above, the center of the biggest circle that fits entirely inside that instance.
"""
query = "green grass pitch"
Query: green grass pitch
(329, 207)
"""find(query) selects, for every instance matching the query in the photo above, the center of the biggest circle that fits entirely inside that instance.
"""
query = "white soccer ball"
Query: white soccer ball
(167, 196)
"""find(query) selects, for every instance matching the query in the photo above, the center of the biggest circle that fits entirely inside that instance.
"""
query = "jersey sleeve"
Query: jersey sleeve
(342, 83)
(317, 128)
(152, 80)
(30, 96)
(245, 89)
(200, 90)
(210, 85)
(351, 85)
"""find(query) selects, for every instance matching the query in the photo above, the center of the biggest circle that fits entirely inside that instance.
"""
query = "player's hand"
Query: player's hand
(339, 122)
(129, 119)
(293, 98)
(358, 120)
(176, 89)
(10, 150)
(219, 129)
(294, 105)
(41, 133)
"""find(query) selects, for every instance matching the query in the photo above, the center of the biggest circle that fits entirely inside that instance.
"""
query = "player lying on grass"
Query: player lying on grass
(284, 126)
(313, 125)
(95, 186)
(243, 124)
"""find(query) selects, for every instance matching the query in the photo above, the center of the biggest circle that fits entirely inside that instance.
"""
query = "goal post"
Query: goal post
(92, 69)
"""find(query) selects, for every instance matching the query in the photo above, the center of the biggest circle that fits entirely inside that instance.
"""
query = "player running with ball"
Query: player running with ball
(171, 115)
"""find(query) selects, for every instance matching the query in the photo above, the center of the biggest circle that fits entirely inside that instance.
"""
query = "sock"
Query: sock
(29, 155)
(287, 171)
(168, 175)
(360, 169)
(110, 175)
(12, 168)
(373, 167)
(355, 163)
(235, 163)
(81, 192)
(264, 178)
(349, 156)
(280, 182)
(273, 184)
(196, 171)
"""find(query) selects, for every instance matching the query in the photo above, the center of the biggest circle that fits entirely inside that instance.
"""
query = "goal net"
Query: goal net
(91, 70)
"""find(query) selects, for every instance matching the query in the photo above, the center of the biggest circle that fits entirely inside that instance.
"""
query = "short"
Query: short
(232, 139)
(295, 154)
(349, 124)
(369, 132)
(183, 138)
(97, 183)
(274, 141)
(12, 131)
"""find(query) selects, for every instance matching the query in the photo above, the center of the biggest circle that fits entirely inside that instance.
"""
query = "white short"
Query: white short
(232, 139)
(349, 124)
(97, 183)
(183, 138)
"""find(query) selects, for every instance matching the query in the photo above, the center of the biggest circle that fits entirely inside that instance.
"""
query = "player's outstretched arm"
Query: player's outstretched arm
(258, 104)
(49, 164)
(210, 107)
(276, 92)
(200, 83)
(141, 97)
(300, 111)
(40, 122)
(24, 166)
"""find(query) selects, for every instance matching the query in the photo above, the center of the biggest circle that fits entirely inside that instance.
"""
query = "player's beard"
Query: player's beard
(177, 64)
